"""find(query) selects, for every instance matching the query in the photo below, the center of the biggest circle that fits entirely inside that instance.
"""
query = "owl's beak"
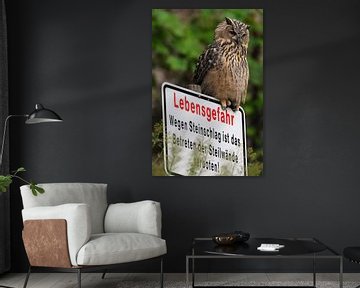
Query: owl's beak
(237, 40)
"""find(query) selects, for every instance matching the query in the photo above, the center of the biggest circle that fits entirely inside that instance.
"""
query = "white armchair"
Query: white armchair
(72, 228)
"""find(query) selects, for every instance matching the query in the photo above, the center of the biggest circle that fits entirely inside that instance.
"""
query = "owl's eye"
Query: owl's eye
(243, 35)
(232, 32)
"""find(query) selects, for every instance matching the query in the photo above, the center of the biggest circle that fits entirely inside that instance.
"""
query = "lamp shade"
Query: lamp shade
(42, 115)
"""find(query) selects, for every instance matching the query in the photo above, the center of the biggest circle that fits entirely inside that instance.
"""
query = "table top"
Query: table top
(292, 247)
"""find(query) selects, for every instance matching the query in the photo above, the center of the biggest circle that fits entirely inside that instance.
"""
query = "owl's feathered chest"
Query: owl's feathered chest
(223, 63)
(231, 58)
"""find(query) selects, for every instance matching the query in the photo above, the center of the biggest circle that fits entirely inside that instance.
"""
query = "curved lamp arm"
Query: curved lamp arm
(4, 134)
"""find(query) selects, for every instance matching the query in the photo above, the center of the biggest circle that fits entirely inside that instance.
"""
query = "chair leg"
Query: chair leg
(161, 273)
(103, 275)
(27, 277)
(79, 277)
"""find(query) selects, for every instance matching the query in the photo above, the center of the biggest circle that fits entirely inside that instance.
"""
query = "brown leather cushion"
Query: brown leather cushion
(46, 244)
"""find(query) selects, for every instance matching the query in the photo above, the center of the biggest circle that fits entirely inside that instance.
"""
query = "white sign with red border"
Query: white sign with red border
(200, 138)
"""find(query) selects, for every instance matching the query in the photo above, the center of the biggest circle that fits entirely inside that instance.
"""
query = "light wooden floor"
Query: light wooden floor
(114, 280)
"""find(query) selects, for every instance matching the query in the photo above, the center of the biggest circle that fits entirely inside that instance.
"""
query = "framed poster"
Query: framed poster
(207, 92)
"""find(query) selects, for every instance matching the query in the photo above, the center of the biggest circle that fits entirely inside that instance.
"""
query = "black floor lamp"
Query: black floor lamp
(39, 115)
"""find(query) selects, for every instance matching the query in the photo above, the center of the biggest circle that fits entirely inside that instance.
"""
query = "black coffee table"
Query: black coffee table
(295, 248)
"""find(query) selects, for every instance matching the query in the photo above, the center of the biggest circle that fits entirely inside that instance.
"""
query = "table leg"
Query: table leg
(187, 272)
(314, 271)
(193, 272)
(341, 273)
(193, 267)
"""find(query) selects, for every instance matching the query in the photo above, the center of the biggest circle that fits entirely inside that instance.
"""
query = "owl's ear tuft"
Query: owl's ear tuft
(248, 27)
(229, 21)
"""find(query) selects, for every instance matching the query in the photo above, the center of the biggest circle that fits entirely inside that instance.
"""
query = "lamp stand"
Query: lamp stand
(2, 152)
(4, 135)
(39, 115)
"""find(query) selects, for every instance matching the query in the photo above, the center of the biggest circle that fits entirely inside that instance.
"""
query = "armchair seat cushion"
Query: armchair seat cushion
(113, 248)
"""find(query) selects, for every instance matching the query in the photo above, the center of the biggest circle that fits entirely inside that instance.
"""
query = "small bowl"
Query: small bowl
(241, 236)
(224, 239)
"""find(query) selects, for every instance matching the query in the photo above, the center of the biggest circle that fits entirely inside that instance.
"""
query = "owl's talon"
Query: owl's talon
(235, 108)
(223, 103)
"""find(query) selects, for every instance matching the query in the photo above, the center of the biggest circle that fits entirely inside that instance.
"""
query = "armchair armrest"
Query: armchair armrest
(138, 217)
(77, 219)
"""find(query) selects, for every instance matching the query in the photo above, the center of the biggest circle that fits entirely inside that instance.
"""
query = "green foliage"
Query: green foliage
(255, 166)
(173, 42)
(197, 158)
(6, 180)
(226, 170)
(36, 189)
(174, 154)
(20, 169)
(158, 165)
(157, 148)
(179, 37)
(255, 163)
(157, 137)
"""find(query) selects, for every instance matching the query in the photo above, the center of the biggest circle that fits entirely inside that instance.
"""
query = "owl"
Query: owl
(222, 70)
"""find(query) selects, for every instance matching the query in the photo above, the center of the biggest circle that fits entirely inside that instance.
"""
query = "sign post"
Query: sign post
(201, 139)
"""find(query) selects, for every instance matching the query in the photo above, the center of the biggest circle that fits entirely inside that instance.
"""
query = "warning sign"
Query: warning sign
(200, 138)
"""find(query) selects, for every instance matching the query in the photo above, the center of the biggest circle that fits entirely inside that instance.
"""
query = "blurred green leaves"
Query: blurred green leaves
(6, 180)
(36, 189)
(174, 44)
(157, 137)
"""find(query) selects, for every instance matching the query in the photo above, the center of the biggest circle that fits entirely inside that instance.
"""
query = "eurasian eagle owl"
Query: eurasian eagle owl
(222, 70)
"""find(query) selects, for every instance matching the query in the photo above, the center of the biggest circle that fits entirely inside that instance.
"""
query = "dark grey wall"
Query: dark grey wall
(91, 61)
